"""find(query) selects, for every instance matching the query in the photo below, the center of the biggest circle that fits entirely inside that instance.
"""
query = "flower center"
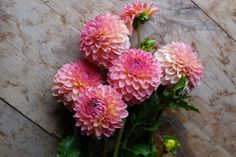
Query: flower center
(85, 75)
(136, 63)
(135, 66)
(96, 107)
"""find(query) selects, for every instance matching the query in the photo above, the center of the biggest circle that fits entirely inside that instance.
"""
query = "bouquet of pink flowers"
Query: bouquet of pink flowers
(117, 94)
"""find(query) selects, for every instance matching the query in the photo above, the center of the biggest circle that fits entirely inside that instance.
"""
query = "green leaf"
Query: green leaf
(142, 150)
(185, 105)
(179, 86)
(140, 19)
(184, 96)
(69, 147)
(147, 108)
(176, 88)
(147, 44)
(143, 17)
(154, 125)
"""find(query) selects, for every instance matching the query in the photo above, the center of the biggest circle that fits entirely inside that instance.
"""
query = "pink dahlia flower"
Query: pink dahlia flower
(99, 111)
(178, 59)
(135, 10)
(72, 79)
(135, 74)
(103, 39)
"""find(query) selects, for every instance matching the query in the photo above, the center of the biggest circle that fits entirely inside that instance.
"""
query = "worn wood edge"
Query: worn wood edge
(26, 117)
(20, 137)
(23, 52)
(216, 17)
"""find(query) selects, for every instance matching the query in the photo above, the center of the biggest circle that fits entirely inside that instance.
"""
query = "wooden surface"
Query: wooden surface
(39, 36)
(223, 13)
(19, 137)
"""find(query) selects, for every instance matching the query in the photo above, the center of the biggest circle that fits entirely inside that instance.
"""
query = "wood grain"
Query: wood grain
(29, 65)
(19, 137)
(223, 13)
(35, 42)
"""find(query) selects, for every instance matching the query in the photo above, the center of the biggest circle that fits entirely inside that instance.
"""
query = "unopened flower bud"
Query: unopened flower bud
(170, 144)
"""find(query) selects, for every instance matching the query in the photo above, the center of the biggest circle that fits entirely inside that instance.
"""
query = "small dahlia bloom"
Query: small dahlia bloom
(178, 59)
(135, 10)
(72, 79)
(135, 74)
(99, 111)
(103, 39)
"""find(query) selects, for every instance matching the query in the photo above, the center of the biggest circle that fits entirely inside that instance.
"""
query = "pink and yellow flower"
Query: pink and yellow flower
(178, 59)
(135, 10)
(135, 74)
(104, 39)
(72, 79)
(99, 111)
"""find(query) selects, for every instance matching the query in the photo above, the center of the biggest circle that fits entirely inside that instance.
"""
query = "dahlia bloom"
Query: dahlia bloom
(72, 79)
(99, 111)
(178, 59)
(135, 10)
(135, 74)
(103, 39)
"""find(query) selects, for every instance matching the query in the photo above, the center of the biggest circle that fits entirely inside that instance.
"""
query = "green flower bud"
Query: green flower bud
(147, 44)
(170, 144)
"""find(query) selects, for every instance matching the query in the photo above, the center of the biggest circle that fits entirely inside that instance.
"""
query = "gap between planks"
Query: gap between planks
(45, 2)
(213, 21)
(33, 122)
(58, 14)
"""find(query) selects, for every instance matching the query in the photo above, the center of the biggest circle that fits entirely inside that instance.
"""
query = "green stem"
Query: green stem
(105, 147)
(75, 130)
(163, 153)
(159, 114)
(91, 147)
(130, 132)
(139, 35)
(119, 140)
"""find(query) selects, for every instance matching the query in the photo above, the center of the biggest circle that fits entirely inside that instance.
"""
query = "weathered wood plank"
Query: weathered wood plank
(19, 137)
(182, 20)
(30, 58)
(216, 97)
(194, 142)
(35, 42)
(223, 13)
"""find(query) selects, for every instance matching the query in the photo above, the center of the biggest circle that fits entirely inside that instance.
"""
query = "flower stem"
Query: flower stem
(105, 147)
(159, 114)
(119, 140)
(139, 35)
(128, 136)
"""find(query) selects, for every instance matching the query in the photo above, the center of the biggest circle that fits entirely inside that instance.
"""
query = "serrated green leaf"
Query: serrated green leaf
(153, 126)
(185, 105)
(147, 44)
(172, 106)
(184, 96)
(142, 150)
(179, 86)
(176, 89)
(69, 147)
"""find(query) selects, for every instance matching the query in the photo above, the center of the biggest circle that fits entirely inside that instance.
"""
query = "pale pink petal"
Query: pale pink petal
(72, 79)
(142, 75)
(99, 110)
(178, 59)
(103, 39)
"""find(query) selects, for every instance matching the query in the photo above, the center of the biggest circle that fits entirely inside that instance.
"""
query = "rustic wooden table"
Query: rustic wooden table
(39, 36)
